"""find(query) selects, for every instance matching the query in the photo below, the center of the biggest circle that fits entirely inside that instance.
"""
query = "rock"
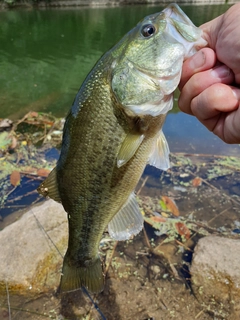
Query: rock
(215, 274)
(30, 263)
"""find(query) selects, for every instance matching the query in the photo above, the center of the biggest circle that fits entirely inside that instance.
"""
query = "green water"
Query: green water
(45, 55)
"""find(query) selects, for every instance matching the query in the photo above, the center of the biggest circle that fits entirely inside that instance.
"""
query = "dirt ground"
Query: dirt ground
(135, 289)
(148, 277)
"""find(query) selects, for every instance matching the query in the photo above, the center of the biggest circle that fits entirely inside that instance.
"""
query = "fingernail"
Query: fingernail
(221, 72)
(197, 60)
(236, 93)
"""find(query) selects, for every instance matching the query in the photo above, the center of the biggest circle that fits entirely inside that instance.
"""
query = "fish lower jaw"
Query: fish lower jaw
(154, 108)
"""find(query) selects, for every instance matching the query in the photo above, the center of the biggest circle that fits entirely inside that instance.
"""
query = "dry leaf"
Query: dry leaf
(14, 143)
(30, 170)
(33, 114)
(196, 182)
(5, 123)
(170, 205)
(158, 219)
(15, 178)
(183, 230)
(43, 172)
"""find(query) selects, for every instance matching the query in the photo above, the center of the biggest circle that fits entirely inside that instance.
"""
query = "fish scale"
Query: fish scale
(112, 131)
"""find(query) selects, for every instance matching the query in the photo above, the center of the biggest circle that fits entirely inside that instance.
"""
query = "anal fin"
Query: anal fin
(127, 222)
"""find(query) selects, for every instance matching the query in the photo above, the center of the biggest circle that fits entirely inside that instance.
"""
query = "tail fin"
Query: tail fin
(74, 277)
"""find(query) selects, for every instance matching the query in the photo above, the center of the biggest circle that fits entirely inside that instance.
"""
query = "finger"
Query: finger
(218, 109)
(215, 99)
(201, 81)
(231, 128)
(201, 61)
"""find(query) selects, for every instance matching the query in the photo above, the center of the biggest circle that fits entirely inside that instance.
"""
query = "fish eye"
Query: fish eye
(148, 30)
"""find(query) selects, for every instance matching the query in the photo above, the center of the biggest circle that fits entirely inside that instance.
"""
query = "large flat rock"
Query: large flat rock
(215, 274)
(30, 263)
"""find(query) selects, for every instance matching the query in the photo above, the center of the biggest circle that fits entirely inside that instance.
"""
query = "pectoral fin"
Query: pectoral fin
(159, 157)
(128, 148)
(49, 187)
(127, 222)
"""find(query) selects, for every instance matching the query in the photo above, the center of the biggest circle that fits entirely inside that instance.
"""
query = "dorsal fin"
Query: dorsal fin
(159, 157)
(127, 222)
(49, 187)
(129, 146)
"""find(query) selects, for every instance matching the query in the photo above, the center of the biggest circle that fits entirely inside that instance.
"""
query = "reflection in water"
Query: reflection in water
(185, 133)
(45, 56)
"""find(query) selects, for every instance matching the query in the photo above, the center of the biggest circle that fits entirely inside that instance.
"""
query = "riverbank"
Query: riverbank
(102, 3)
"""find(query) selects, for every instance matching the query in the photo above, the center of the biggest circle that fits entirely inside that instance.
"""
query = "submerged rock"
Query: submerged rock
(30, 263)
(215, 274)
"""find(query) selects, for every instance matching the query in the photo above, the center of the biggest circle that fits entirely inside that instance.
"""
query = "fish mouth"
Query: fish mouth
(182, 29)
(174, 12)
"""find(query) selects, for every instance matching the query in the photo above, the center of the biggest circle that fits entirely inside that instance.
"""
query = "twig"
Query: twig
(110, 260)
(12, 190)
(33, 312)
(20, 121)
(138, 253)
(46, 234)
(205, 155)
(216, 189)
(147, 240)
(183, 245)
(199, 314)
(143, 184)
(174, 270)
(49, 132)
(201, 225)
(155, 252)
(211, 220)
(83, 288)
(94, 303)
(8, 300)
(25, 195)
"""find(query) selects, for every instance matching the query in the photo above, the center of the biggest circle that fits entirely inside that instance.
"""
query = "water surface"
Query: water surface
(45, 55)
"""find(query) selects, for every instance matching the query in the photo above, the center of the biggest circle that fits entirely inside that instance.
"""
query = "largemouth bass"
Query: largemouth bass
(114, 128)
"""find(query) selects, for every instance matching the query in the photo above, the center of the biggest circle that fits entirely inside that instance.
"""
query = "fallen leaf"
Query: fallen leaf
(165, 214)
(5, 140)
(33, 114)
(156, 224)
(15, 178)
(196, 182)
(5, 123)
(168, 204)
(183, 230)
(29, 170)
(14, 143)
(43, 172)
(158, 219)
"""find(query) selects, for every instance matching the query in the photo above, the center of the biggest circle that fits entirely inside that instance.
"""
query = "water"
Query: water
(45, 55)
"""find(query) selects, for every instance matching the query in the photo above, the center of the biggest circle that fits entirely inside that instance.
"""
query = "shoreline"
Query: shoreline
(11, 4)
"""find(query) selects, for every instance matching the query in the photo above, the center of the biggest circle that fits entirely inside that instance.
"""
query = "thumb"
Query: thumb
(211, 30)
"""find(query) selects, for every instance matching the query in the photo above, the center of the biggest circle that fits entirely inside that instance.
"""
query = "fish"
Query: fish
(112, 131)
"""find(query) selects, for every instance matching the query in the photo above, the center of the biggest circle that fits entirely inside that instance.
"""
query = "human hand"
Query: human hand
(210, 79)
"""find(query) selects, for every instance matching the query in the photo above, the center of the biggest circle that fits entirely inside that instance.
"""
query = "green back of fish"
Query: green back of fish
(91, 186)
(109, 135)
